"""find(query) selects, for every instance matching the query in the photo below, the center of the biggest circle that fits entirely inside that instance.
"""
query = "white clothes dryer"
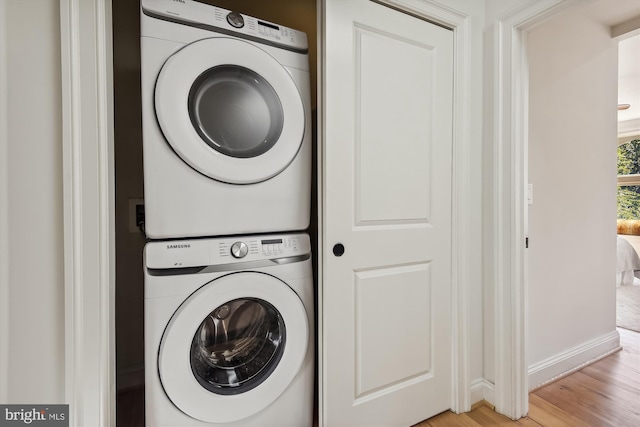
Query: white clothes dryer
(229, 332)
(226, 122)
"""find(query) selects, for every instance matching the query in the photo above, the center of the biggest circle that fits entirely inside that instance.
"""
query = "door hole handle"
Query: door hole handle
(338, 249)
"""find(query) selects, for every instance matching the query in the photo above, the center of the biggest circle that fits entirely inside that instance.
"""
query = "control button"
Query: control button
(235, 19)
(239, 250)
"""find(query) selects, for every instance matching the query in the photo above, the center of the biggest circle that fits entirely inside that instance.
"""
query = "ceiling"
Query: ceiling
(612, 13)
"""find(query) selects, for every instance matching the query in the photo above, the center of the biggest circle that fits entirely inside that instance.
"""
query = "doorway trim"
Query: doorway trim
(88, 191)
(508, 145)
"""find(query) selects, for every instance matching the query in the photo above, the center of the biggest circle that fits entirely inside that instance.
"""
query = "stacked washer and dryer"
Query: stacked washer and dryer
(229, 321)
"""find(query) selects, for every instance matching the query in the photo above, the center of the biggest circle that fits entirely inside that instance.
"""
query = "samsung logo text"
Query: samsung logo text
(183, 246)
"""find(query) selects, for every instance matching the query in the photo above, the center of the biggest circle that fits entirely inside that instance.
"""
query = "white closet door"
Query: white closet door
(388, 90)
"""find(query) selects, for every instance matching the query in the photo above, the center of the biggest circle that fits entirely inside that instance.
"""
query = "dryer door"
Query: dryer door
(230, 110)
(233, 347)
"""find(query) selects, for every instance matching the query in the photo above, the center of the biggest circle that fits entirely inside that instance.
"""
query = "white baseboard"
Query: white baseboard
(131, 377)
(481, 389)
(568, 362)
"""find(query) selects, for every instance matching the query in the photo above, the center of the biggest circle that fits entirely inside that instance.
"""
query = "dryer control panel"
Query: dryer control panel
(225, 250)
(215, 18)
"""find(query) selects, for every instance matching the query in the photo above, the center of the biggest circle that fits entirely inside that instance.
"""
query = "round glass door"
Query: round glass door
(235, 111)
(226, 339)
(230, 110)
(237, 346)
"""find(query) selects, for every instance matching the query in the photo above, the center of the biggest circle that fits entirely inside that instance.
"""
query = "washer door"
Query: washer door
(230, 110)
(233, 347)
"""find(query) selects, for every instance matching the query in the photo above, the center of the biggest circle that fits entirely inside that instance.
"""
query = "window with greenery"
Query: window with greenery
(629, 195)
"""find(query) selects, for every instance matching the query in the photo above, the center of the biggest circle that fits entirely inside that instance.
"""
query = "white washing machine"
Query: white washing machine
(226, 122)
(229, 332)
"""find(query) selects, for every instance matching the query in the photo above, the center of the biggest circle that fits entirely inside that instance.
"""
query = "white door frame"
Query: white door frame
(461, 24)
(509, 182)
(88, 188)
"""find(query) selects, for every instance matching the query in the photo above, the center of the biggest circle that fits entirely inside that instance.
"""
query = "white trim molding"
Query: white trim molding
(87, 115)
(509, 142)
(572, 360)
(625, 139)
(481, 389)
(626, 29)
(629, 129)
(4, 215)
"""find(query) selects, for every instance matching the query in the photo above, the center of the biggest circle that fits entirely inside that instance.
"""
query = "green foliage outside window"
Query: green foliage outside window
(629, 195)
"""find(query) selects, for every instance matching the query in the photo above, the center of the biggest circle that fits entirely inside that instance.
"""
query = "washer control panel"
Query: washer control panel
(224, 250)
(216, 18)
(239, 250)
(235, 19)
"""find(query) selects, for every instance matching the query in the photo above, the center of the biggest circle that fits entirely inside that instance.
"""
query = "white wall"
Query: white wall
(32, 242)
(572, 158)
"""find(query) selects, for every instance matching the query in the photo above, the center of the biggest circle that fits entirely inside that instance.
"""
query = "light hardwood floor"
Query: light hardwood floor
(606, 393)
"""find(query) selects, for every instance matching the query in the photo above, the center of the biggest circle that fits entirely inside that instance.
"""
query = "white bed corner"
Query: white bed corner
(628, 259)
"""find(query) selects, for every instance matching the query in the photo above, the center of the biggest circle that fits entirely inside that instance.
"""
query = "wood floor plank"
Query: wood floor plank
(575, 398)
(611, 389)
(625, 358)
(449, 419)
(614, 373)
(485, 416)
(528, 422)
(548, 414)
(603, 394)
